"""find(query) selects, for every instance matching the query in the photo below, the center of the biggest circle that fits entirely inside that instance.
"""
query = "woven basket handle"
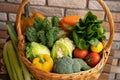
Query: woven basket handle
(111, 23)
(18, 24)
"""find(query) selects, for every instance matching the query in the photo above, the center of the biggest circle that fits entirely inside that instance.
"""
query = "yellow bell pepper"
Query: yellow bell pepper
(43, 62)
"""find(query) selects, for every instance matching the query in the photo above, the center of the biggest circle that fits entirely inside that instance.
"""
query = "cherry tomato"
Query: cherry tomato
(93, 59)
(78, 53)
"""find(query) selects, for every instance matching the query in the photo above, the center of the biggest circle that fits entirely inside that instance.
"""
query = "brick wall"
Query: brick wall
(61, 8)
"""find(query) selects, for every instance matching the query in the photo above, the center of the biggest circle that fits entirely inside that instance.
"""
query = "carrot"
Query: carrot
(69, 21)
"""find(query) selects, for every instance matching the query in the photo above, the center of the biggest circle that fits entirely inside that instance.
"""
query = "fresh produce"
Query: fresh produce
(93, 59)
(98, 48)
(43, 31)
(78, 53)
(69, 21)
(28, 21)
(84, 65)
(62, 47)
(43, 62)
(31, 34)
(14, 40)
(7, 62)
(55, 21)
(34, 49)
(88, 31)
(66, 65)
(76, 49)
(12, 62)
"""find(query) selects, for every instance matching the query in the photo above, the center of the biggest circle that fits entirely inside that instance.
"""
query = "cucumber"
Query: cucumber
(13, 36)
(7, 62)
(14, 62)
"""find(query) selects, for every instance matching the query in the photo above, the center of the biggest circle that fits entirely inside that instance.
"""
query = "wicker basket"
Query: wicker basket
(91, 74)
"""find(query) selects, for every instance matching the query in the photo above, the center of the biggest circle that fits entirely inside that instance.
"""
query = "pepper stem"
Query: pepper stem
(27, 10)
(42, 60)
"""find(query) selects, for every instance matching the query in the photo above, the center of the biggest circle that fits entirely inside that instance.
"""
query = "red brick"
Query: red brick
(5, 7)
(107, 68)
(114, 62)
(3, 34)
(15, 1)
(93, 4)
(82, 13)
(2, 45)
(116, 26)
(115, 69)
(119, 62)
(116, 17)
(104, 76)
(110, 59)
(113, 5)
(37, 2)
(48, 11)
(68, 3)
(2, 42)
(106, 25)
(2, 25)
(112, 52)
(118, 76)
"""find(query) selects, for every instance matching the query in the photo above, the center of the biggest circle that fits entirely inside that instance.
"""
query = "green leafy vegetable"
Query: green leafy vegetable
(31, 34)
(88, 31)
(38, 23)
(34, 49)
(42, 36)
(55, 21)
(43, 31)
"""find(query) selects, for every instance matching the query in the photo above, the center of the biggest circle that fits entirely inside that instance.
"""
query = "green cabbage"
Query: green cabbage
(34, 49)
(62, 47)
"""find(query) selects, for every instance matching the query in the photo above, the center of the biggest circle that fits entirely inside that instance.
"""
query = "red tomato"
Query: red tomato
(92, 59)
(78, 53)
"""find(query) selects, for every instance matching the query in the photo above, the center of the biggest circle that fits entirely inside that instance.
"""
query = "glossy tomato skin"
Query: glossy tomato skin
(78, 53)
(93, 59)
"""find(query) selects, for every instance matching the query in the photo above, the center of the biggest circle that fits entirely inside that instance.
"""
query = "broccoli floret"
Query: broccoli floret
(43, 31)
(42, 37)
(83, 64)
(46, 24)
(66, 65)
(76, 66)
(50, 37)
(31, 34)
(38, 23)
(55, 21)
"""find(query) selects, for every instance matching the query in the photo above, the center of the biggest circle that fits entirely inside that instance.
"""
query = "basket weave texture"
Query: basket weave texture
(91, 74)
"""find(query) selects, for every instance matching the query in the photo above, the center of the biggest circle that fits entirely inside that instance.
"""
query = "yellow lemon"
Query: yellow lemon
(97, 48)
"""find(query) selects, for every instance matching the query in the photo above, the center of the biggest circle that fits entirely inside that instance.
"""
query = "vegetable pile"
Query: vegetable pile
(64, 46)
(77, 49)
